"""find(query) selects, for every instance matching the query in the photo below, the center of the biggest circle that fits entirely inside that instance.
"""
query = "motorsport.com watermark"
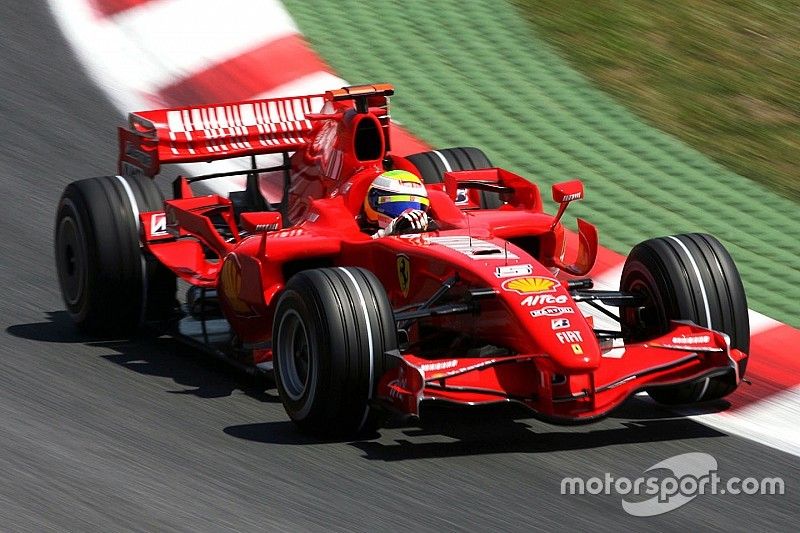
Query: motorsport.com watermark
(693, 474)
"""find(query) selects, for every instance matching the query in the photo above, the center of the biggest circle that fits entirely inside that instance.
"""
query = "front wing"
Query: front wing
(688, 353)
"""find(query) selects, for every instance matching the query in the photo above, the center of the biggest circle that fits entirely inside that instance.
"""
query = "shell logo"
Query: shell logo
(531, 285)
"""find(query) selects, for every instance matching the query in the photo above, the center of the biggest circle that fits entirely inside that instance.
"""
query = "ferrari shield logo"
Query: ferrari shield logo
(404, 273)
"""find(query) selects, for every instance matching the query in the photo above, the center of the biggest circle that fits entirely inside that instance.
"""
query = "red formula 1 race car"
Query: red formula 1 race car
(480, 308)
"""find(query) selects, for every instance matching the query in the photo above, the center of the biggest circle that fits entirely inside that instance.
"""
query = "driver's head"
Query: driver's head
(392, 193)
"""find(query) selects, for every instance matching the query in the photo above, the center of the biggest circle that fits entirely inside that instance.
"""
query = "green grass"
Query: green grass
(723, 76)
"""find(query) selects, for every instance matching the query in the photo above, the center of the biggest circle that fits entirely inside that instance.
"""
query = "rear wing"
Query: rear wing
(222, 131)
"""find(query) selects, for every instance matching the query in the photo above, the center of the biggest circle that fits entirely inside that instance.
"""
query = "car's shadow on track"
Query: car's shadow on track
(198, 374)
(445, 431)
(510, 430)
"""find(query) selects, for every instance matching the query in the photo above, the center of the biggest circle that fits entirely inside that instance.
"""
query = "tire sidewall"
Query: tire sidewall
(78, 308)
(302, 408)
(638, 279)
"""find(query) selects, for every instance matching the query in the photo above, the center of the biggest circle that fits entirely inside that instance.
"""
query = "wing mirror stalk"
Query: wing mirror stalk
(564, 193)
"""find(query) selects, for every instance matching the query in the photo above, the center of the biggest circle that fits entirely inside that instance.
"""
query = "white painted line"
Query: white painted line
(772, 421)
(316, 83)
(760, 323)
(113, 61)
(609, 279)
(146, 48)
(188, 36)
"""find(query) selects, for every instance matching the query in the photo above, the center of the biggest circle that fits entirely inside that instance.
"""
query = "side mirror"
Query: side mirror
(262, 221)
(567, 191)
(564, 193)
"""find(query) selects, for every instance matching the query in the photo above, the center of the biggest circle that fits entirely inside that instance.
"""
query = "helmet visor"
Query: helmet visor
(392, 205)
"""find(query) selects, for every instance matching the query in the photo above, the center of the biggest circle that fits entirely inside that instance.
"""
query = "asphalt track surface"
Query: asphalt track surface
(147, 435)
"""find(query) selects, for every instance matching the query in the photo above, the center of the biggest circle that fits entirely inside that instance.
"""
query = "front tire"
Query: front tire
(108, 284)
(331, 331)
(686, 277)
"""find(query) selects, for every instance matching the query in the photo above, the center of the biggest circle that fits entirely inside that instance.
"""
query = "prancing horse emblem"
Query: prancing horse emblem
(404, 273)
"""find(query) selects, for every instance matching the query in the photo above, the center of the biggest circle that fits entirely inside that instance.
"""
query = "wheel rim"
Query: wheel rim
(295, 364)
(71, 260)
(651, 319)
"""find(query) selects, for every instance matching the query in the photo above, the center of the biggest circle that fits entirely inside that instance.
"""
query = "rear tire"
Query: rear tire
(331, 331)
(108, 284)
(431, 166)
(686, 277)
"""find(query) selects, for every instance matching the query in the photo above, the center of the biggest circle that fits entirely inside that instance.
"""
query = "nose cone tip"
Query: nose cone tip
(566, 357)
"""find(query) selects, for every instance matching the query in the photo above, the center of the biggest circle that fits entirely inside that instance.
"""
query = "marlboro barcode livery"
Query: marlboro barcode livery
(378, 280)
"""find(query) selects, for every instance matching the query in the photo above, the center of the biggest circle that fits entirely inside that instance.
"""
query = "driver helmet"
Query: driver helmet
(392, 193)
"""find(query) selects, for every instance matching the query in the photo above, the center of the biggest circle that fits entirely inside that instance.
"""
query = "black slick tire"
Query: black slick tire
(686, 277)
(109, 285)
(331, 331)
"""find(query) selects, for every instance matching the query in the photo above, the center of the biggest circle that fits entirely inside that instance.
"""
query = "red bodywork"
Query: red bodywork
(552, 362)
